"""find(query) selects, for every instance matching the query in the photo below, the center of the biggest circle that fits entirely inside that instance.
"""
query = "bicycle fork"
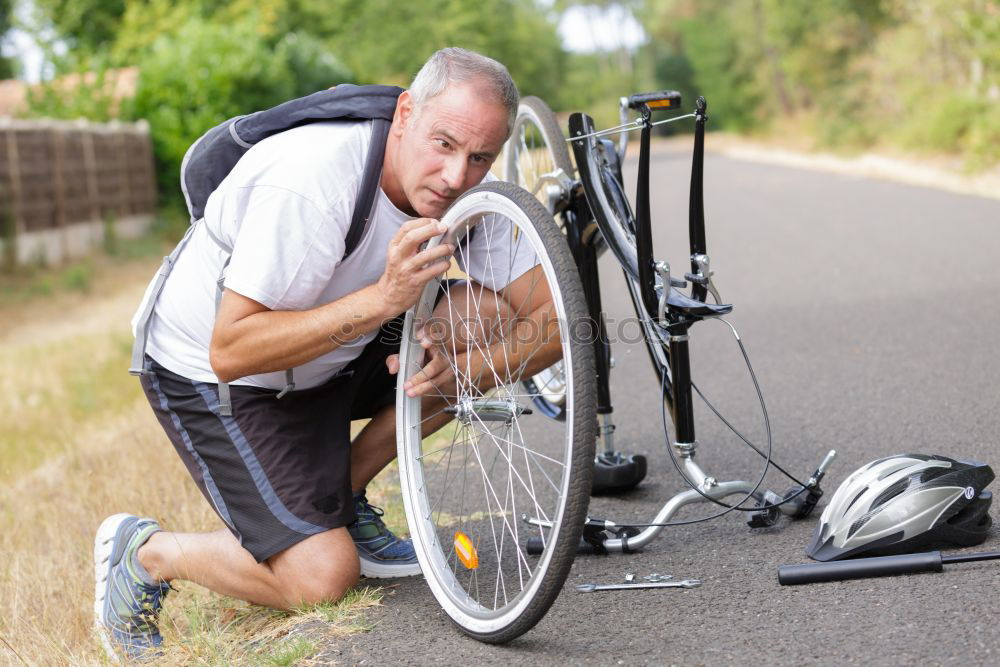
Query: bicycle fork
(613, 471)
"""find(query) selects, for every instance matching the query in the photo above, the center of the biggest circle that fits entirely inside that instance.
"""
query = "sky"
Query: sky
(582, 29)
(586, 29)
(30, 55)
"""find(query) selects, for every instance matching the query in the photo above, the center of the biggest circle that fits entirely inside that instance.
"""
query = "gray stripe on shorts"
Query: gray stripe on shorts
(213, 490)
(267, 493)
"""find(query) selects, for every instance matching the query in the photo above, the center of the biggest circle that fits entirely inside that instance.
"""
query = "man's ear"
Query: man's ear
(404, 113)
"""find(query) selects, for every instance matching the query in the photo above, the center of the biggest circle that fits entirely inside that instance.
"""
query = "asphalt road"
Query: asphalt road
(869, 310)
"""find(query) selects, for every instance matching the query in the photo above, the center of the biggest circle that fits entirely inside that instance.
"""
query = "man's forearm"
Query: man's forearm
(536, 343)
(274, 340)
(532, 344)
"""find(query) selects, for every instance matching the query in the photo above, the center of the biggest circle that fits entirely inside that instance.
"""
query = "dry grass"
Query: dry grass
(79, 442)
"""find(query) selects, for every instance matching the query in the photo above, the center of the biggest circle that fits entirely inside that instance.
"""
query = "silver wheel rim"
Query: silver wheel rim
(482, 600)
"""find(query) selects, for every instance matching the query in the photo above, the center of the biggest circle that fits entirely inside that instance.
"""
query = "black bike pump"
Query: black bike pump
(881, 566)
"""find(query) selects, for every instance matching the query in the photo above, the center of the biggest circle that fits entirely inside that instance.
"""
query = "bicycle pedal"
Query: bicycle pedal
(763, 518)
(768, 515)
(615, 472)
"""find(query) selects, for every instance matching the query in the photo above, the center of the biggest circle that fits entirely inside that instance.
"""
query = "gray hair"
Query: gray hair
(455, 65)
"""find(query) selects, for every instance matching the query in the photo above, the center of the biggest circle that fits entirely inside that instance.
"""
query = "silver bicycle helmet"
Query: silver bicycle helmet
(905, 503)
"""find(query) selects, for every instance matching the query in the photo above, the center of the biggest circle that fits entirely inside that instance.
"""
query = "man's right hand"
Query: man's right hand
(408, 268)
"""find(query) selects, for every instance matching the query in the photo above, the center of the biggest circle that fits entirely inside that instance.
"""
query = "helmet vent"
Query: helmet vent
(930, 474)
(894, 490)
(856, 526)
(855, 499)
(896, 468)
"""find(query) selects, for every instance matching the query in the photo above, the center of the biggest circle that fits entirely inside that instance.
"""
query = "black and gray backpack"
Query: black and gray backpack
(210, 159)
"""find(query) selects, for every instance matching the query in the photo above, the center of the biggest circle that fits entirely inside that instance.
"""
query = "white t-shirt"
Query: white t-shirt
(285, 209)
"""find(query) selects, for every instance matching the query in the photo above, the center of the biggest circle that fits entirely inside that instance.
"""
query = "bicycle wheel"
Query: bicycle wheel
(536, 152)
(602, 186)
(600, 173)
(496, 472)
(533, 157)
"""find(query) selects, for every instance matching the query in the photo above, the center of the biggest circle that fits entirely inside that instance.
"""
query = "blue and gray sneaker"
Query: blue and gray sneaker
(126, 604)
(382, 554)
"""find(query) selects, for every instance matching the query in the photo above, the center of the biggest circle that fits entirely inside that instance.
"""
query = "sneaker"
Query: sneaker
(125, 606)
(382, 554)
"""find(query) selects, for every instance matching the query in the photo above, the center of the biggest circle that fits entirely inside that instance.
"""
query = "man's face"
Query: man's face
(446, 146)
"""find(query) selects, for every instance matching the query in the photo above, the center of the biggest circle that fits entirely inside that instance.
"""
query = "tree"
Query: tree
(8, 66)
(87, 26)
(387, 41)
(206, 72)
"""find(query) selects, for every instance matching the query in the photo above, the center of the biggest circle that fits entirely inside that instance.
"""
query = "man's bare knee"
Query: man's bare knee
(322, 584)
(321, 568)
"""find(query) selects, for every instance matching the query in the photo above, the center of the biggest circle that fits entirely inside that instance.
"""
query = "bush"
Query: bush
(983, 139)
(207, 72)
(311, 64)
(90, 95)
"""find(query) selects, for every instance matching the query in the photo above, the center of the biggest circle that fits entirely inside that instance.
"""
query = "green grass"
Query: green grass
(75, 431)
(215, 630)
(54, 388)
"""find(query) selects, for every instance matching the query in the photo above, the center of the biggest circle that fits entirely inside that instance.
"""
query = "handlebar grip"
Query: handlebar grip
(860, 568)
(660, 100)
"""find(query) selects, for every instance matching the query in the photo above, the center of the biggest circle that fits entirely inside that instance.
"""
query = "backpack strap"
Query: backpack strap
(137, 366)
(369, 185)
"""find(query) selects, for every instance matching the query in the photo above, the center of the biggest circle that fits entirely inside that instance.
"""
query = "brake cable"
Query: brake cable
(768, 462)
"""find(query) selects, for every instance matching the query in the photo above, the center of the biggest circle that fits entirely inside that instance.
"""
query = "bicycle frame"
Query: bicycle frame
(646, 298)
(666, 313)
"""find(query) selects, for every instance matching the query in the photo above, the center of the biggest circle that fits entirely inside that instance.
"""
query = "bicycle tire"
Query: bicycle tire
(600, 174)
(536, 148)
(604, 193)
(499, 595)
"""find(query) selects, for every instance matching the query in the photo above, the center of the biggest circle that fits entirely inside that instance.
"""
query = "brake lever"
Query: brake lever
(704, 275)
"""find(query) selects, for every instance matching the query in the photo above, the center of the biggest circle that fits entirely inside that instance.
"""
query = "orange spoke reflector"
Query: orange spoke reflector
(465, 551)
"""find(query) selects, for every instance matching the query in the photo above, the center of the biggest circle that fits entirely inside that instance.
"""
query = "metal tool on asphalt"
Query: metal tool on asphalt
(863, 568)
(658, 577)
(629, 578)
(686, 583)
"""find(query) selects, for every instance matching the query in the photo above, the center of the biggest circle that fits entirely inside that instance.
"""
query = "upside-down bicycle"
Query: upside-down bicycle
(496, 500)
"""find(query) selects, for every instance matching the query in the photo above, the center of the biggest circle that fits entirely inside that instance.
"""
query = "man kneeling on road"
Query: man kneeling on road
(283, 475)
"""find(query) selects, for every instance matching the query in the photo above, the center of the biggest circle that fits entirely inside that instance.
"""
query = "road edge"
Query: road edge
(867, 165)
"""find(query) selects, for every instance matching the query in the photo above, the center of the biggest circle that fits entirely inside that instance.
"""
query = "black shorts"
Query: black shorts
(278, 470)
